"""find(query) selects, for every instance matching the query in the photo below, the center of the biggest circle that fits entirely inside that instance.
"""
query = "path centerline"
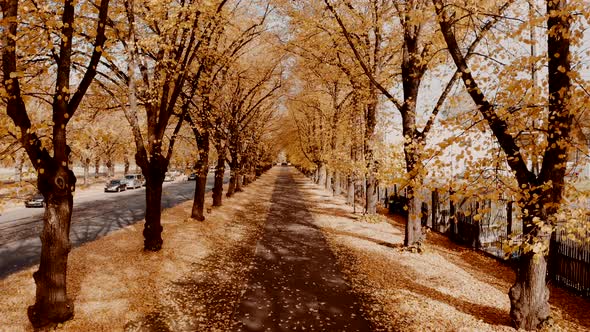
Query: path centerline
(295, 283)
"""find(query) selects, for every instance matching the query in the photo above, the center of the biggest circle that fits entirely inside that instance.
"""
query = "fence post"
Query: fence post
(424, 214)
(553, 257)
(434, 208)
(509, 219)
(452, 215)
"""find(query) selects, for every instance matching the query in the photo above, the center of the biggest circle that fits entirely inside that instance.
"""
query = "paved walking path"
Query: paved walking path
(295, 283)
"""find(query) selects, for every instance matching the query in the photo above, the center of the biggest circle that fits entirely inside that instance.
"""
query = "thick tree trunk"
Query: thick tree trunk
(152, 232)
(218, 185)
(154, 172)
(350, 190)
(337, 184)
(413, 233)
(233, 179)
(322, 174)
(51, 302)
(241, 180)
(197, 211)
(529, 295)
(202, 169)
(371, 194)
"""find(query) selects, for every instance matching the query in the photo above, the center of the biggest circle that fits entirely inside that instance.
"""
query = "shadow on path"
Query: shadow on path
(295, 283)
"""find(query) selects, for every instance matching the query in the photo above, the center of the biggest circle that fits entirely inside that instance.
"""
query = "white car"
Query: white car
(169, 177)
(134, 180)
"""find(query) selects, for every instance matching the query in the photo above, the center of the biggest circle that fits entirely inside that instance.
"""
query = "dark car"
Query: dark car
(115, 186)
(192, 177)
(35, 201)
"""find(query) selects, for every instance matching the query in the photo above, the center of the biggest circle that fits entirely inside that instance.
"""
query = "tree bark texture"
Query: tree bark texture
(529, 296)
(96, 168)
(242, 180)
(233, 179)
(413, 233)
(322, 174)
(86, 169)
(337, 184)
(51, 303)
(202, 169)
(152, 231)
(371, 198)
(218, 185)
(350, 190)
(126, 170)
(328, 184)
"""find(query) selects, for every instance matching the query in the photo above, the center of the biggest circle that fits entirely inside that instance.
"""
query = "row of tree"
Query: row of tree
(192, 73)
(510, 69)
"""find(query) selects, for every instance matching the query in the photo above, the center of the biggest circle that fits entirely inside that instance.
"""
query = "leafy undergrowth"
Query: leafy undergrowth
(192, 283)
(445, 288)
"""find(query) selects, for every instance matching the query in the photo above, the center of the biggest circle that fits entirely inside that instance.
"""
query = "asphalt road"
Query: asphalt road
(95, 215)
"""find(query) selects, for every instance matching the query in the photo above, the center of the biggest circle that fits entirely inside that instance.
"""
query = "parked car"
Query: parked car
(134, 180)
(169, 177)
(36, 200)
(115, 186)
(192, 177)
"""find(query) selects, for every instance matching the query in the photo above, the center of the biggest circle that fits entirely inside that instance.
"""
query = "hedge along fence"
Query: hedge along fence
(487, 224)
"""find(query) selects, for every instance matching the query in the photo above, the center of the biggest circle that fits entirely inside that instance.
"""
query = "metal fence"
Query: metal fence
(569, 259)
(569, 262)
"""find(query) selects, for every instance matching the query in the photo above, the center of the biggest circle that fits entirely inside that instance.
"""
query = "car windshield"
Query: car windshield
(36, 197)
(129, 177)
(115, 181)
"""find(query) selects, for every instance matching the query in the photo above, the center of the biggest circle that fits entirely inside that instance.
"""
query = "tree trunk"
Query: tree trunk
(202, 169)
(18, 169)
(371, 194)
(86, 170)
(126, 161)
(529, 295)
(51, 302)
(152, 232)
(110, 168)
(322, 174)
(233, 179)
(350, 190)
(218, 185)
(362, 192)
(241, 180)
(96, 168)
(413, 233)
(337, 184)
(328, 184)
(199, 199)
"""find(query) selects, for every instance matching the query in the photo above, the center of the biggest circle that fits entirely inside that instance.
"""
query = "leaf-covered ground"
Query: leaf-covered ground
(208, 273)
(446, 288)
